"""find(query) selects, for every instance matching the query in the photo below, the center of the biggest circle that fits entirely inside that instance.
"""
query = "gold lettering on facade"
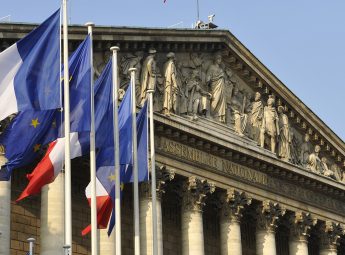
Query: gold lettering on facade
(247, 174)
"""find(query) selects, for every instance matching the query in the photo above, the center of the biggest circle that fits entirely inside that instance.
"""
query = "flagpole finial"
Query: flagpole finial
(133, 69)
(89, 24)
(115, 48)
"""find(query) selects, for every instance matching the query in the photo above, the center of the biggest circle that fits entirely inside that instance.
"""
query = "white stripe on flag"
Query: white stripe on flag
(10, 62)
(57, 155)
(100, 190)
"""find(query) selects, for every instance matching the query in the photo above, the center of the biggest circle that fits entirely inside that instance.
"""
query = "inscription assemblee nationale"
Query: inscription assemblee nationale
(230, 168)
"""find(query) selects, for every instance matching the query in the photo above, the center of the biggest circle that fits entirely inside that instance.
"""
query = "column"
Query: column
(330, 237)
(301, 224)
(162, 176)
(194, 193)
(52, 217)
(106, 243)
(232, 203)
(268, 215)
(5, 217)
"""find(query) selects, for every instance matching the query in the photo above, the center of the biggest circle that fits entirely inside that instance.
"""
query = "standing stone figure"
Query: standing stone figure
(314, 162)
(148, 75)
(269, 124)
(197, 97)
(257, 114)
(239, 116)
(171, 88)
(306, 150)
(215, 77)
(285, 137)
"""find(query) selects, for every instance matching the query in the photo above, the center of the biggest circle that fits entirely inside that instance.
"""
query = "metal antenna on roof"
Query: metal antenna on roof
(197, 10)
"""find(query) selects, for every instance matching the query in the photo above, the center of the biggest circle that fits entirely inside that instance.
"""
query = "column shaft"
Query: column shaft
(298, 247)
(192, 233)
(146, 226)
(5, 217)
(265, 242)
(230, 237)
(106, 243)
(52, 217)
(328, 252)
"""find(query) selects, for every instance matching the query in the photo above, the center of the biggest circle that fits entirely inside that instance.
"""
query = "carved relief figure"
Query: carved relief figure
(314, 162)
(257, 114)
(128, 61)
(197, 97)
(3, 159)
(306, 150)
(284, 138)
(216, 81)
(148, 75)
(269, 124)
(170, 87)
(237, 108)
(325, 170)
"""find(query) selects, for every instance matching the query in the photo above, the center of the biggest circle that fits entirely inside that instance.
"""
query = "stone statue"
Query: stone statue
(269, 124)
(326, 171)
(128, 61)
(284, 138)
(183, 95)
(197, 97)
(237, 108)
(314, 162)
(148, 75)
(3, 159)
(337, 172)
(257, 114)
(306, 150)
(171, 88)
(215, 79)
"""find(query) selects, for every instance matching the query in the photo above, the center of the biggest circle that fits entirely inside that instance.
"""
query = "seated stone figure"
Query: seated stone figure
(314, 162)
(197, 97)
(325, 169)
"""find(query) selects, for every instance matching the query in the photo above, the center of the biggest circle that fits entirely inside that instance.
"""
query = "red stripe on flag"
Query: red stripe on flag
(104, 208)
(42, 174)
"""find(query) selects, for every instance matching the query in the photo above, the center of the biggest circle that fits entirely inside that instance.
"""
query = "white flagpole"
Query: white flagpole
(94, 238)
(115, 49)
(68, 194)
(135, 167)
(153, 177)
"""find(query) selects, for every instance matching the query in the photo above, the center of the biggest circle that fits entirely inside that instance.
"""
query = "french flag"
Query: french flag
(53, 161)
(30, 70)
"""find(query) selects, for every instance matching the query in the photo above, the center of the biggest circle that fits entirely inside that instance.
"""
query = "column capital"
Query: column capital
(300, 225)
(194, 192)
(163, 175)
(330, 235)
(268, 213)
(232, 203)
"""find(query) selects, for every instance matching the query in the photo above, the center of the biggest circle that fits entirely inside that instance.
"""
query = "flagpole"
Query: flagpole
(153, 176)
(115, 49)
(135, 167)
(94, 238)
(68, 194)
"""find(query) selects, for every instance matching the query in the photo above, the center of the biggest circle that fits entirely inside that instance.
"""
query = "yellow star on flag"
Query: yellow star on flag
(35, 123)
(112, 177)
(37, 147)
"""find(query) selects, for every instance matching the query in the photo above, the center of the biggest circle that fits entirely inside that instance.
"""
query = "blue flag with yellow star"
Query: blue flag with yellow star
(126, 170)
(24, 139)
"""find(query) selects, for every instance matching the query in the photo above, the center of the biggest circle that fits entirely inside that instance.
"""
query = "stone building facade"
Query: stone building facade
(243, 166)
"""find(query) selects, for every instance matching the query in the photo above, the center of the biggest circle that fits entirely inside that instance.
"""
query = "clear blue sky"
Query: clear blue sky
(301, 42)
